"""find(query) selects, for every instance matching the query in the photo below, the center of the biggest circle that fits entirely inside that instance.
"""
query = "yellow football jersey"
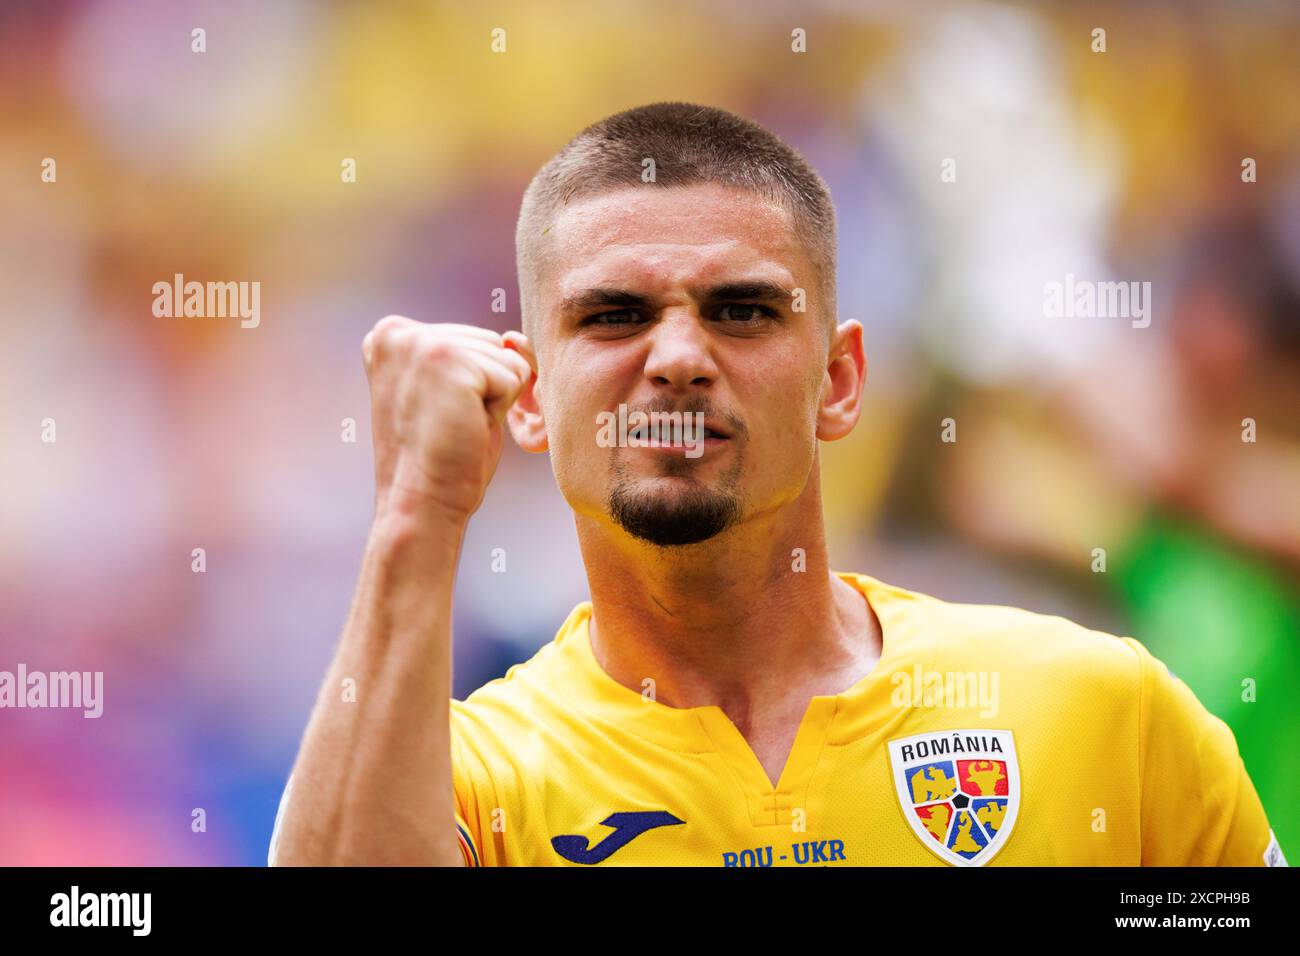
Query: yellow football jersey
(984, 736)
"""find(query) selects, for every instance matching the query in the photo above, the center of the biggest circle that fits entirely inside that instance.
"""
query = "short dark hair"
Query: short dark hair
(690, 145)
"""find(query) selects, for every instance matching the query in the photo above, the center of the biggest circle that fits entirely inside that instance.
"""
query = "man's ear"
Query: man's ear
(846, 371)
(525, 417)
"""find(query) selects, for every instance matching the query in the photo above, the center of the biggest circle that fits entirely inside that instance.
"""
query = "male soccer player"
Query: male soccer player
(725, 698)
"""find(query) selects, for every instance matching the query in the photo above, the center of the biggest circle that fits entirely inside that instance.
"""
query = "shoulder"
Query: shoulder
(517, 695)
(515, 715)
(970, 636)
(1060, 661)
(514, 733)
(1055, 659)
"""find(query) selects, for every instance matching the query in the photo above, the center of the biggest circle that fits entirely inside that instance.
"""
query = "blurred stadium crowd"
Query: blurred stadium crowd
(176, 434)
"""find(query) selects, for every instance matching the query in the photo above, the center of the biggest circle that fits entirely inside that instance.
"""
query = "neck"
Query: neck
(730, 622)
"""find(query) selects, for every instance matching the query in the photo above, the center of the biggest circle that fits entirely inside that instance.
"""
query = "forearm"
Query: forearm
(372, 783)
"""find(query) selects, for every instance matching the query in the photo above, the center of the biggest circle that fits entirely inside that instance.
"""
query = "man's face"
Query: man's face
(679, 299)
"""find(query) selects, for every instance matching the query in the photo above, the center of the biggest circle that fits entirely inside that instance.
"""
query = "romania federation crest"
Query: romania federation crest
(959, 790)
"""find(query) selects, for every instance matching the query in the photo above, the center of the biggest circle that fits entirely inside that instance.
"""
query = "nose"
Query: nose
(680, 354)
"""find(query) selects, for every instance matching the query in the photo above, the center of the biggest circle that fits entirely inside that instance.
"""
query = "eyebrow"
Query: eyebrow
(728, 291)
